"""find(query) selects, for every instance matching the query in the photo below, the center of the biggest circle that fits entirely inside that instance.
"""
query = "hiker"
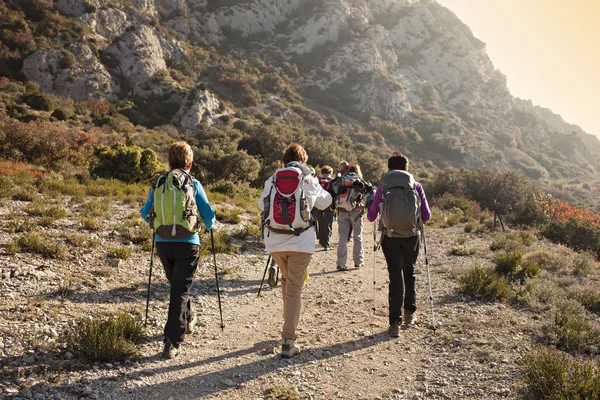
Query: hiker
(288, 230)
(313, 173)
(325, 217)
(404, 209)
(178, 246)
(343, 168)
(349, 202)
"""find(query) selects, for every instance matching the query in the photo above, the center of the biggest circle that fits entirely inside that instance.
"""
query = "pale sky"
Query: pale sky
(549, 51)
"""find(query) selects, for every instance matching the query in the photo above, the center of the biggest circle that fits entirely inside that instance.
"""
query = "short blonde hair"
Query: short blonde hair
(180, 155)
(294, 152)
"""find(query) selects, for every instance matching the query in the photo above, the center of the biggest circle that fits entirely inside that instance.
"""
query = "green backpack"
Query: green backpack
(174, 214)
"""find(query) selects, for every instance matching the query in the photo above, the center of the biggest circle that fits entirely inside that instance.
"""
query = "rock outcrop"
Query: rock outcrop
(74, 72)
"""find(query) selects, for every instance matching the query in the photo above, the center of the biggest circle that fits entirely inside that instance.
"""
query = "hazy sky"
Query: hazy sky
(549, 51)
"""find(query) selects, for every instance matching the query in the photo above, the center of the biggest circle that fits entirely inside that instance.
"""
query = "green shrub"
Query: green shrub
(248, 231)
(481, 284)
(512, 241)
(65, 288)
(136, 231)
(38, 101)
(281, 393)
(552, 374)
(90, 223)
(122, 253)
(222, 244)
(547, 260)
(529, 269)
(468, 207)
(453, 219)
(95, 208)
(108, 339)
(462, 251)
(125, 163)
(469, 227)
(228, 215)
(590, 300)
(579, 235)
(570, 331)
(584, 264)
(507, 263)
(18, 225)
(60, 114)
(34, 242)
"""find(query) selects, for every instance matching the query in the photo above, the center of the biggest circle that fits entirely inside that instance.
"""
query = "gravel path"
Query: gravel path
(346, 351)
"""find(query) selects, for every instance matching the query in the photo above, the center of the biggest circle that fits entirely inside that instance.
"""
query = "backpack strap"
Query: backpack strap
(295, 232)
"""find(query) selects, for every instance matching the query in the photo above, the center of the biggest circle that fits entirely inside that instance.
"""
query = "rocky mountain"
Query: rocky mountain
(408, 69)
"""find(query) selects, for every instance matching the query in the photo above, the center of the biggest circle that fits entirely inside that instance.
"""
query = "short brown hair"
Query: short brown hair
(398, 161)
(180, 155)
(294, 152)
(326, 169)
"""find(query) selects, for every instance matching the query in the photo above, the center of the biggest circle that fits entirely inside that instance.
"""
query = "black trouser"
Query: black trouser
(180, 261)
(325, 222)
(401, 256)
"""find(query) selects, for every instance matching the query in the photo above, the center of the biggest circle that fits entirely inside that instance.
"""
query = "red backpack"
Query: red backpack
(285, 208)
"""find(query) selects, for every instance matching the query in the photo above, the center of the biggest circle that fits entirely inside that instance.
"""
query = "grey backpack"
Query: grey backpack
(401, 205)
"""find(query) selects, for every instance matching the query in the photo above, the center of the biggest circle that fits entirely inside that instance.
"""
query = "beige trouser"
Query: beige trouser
(293, 267)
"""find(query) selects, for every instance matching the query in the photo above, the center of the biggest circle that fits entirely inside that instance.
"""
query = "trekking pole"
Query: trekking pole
(374, 263)
(149, 280)
(264, 274)
(433, 326)
(212, 238)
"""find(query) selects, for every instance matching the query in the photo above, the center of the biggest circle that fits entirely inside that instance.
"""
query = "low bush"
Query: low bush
(553, 374)
(547, 260)
(481, 284)
(222, 244)
(126, 163)
(65, 288)
(584, 264)
(579, 235)
(570, 330)
(590, 300)
(469, 227)
(90, 223)
(228, 215)
(105, 339)
(281, 393)
(512, 241)
(34, 242)
(122, 253)
(507, 263)
(462, 251)
(248, 231)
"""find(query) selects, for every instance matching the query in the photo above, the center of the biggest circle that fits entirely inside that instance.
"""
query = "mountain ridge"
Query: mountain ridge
(410, 62)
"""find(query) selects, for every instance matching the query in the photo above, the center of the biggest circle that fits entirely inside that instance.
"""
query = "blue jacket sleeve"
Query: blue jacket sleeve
(206, 211)
(145, 211)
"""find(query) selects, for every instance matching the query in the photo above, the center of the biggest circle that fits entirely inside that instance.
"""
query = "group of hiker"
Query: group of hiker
(298, 208)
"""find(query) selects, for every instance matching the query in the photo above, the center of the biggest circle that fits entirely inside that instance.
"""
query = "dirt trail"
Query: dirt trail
(346, 351)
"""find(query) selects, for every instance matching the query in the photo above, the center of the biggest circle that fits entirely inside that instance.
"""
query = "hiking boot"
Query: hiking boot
(289, 348)
(394, 329)
(409, 318)
(342, 268)
(190, 328)
(169, 351)
(358, 265)
(271, 280)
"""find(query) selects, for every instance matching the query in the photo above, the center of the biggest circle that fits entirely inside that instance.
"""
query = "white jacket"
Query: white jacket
(316, 197)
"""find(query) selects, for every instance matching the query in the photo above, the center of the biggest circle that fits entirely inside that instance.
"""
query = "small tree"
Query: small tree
(126, 163)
